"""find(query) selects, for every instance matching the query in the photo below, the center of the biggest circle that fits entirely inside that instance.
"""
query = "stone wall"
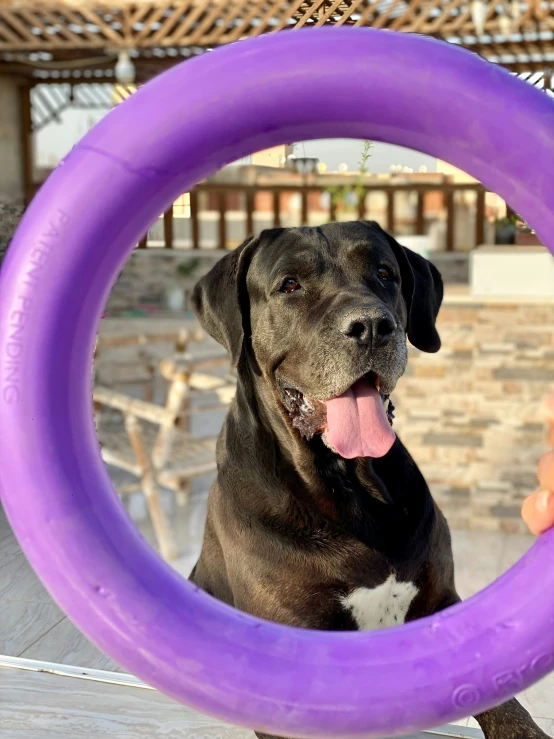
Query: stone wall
(150, 274)
(473, 416)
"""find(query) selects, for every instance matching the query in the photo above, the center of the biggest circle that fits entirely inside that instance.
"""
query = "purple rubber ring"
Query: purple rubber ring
(181, 127)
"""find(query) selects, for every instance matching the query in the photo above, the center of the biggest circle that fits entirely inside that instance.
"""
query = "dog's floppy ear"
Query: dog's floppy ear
(425, 304)
(423, 290)
(218, 298)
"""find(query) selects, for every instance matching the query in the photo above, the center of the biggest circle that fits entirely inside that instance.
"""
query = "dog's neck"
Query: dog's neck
(381, 502)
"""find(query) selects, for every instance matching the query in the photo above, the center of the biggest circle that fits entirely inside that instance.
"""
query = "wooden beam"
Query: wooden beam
(194, 224)
(250, 201)
(216, 22)
(304, 212)
(480, 219)
(276, 209)
(222, 206)
(450, 211)
(168, 228)
(390, 211)
(420, 214)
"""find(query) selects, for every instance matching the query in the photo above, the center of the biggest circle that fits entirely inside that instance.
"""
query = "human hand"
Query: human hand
(538, 509)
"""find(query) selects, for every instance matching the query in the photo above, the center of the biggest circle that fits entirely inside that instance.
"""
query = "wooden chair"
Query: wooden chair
(155, 444)
(111, 369)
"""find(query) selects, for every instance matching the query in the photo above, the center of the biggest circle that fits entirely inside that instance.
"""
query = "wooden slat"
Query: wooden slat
(422, 20)
(207, 23)
(217, 22)
(480, 218)
(222, 226)
(195, 226)
(9, 35)
(228, 17)
(94, 18)
(304, 213)
(450, 210)
(276, 209)
(251, 13)
(180, 34)
(155, 17)
(384, 16)
(325, 16)
(33, 19)
(390, 211)
(29, 39)
(90, 39)
(420, 214)
(105, 396)
(168, 228)
(352, 9)
(312, 9)
(250, 201)
(289, 10)
(143, 243)
(66, 35)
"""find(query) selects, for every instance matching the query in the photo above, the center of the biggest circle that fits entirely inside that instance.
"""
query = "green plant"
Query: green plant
(504, 222)
(339, 193)
(512, 219)
(185, 269)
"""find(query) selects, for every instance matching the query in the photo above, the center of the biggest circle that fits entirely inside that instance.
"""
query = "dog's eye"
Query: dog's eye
(290, 285)
(384, 273)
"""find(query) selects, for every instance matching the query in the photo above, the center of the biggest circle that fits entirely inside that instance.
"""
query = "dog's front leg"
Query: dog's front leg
(509, 721)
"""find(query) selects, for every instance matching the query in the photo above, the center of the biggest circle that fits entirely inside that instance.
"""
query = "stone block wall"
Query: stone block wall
(473, 417)
(150, 273)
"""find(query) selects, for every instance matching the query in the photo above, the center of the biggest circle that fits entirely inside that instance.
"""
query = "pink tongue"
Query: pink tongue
(357, 425)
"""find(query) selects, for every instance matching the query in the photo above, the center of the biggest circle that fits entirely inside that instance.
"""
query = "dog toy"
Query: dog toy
(176, 130)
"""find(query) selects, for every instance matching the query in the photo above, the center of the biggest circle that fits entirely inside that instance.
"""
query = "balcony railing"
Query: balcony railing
(216, 198)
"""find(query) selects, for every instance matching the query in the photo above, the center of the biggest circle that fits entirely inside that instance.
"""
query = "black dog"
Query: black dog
(319, 518)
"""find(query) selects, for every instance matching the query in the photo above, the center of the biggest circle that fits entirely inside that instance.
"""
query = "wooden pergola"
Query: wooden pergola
(49, 40)
(64, 52)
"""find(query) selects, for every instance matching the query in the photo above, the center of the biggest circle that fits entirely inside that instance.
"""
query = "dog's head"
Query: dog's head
(322, 315)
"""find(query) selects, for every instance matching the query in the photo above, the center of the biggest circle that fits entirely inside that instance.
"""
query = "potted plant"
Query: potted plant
(514, 230)
(525, 236)
(346, 197)
(504, 231)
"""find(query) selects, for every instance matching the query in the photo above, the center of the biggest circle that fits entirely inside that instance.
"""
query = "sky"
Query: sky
(54, 142)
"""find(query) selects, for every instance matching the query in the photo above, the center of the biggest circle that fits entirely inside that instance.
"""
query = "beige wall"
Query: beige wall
(273, 157)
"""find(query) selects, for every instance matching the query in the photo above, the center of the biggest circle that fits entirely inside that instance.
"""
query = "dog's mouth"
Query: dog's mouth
(357, 423)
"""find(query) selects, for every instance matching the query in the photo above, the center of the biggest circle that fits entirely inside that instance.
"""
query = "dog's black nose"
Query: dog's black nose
(373, 326)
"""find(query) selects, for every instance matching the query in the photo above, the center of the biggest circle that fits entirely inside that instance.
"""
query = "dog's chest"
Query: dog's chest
(380, 607)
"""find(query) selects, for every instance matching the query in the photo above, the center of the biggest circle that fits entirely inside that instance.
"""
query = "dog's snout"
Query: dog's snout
(373, 326)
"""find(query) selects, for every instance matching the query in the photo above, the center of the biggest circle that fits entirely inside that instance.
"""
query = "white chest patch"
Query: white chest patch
(381, 607)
